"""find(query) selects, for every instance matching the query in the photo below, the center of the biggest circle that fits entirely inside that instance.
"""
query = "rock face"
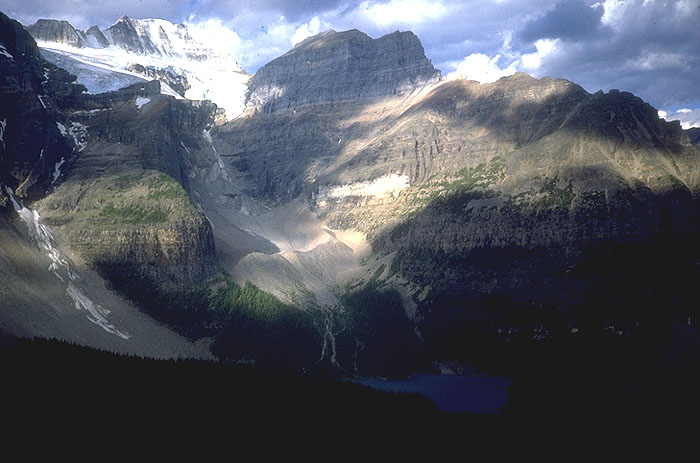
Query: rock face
(52, 30)
(342, 66)
(694, 135)
(31, 145)
(126, 199)
(167, 75)
(95, 38)
(491, 198)
(98, 181)
(124, 34)
(520, 206)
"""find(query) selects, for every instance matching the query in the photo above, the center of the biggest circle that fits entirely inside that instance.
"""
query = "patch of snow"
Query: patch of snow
(166, 89)
(78, 132)
(57, 170)
(5, 53)
(382, 187)
(219, 160)
(3, 125)
(62, 129)
(140, 101)
(94, 312)
(41, 100)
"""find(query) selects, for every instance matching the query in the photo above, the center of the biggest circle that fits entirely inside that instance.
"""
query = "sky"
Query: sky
(648, 47)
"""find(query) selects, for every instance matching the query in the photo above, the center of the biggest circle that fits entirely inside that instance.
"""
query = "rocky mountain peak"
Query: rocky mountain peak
(52, 30)
(335, 66)
(96, 34)
(125, 34)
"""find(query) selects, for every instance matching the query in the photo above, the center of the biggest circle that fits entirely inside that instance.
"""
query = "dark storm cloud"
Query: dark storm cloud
(570, 19)
(651, 48)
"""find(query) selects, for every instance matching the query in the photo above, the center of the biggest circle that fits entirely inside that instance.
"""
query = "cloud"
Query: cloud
(532, 62)
(483, 68)
(648, 47)
(212, 33)
(688, 118)
(404, 12)
(306, 30)
(292, 10)
(569, 20)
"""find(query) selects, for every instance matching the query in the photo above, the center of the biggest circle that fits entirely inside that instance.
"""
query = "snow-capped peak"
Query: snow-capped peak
(211, 70)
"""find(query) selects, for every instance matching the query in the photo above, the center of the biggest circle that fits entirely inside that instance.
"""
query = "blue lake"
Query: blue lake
(451, 393)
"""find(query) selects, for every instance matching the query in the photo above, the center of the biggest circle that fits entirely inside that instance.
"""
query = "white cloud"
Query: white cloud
(306, 30)
(483, 68)
(406, 12)
(533, 61)
(688, 118)
(214, 34)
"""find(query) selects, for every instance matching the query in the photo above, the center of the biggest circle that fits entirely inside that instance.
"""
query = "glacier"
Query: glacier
(212, 72)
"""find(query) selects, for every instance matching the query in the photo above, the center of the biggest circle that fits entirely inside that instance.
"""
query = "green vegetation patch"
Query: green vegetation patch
(469, 183)
(555, 197)
(481, 176)
(245, 322)
(134, 214)
(550, 196)
(260, 327)
(139, 198)
(165, 187)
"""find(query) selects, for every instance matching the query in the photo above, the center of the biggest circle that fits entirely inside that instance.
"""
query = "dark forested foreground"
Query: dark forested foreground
(52, 383)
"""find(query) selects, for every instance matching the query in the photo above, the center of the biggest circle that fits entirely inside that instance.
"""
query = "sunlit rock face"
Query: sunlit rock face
(342, 66)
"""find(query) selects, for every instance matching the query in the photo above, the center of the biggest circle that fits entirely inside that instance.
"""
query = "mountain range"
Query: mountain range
(134, 51)
(351, 210)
